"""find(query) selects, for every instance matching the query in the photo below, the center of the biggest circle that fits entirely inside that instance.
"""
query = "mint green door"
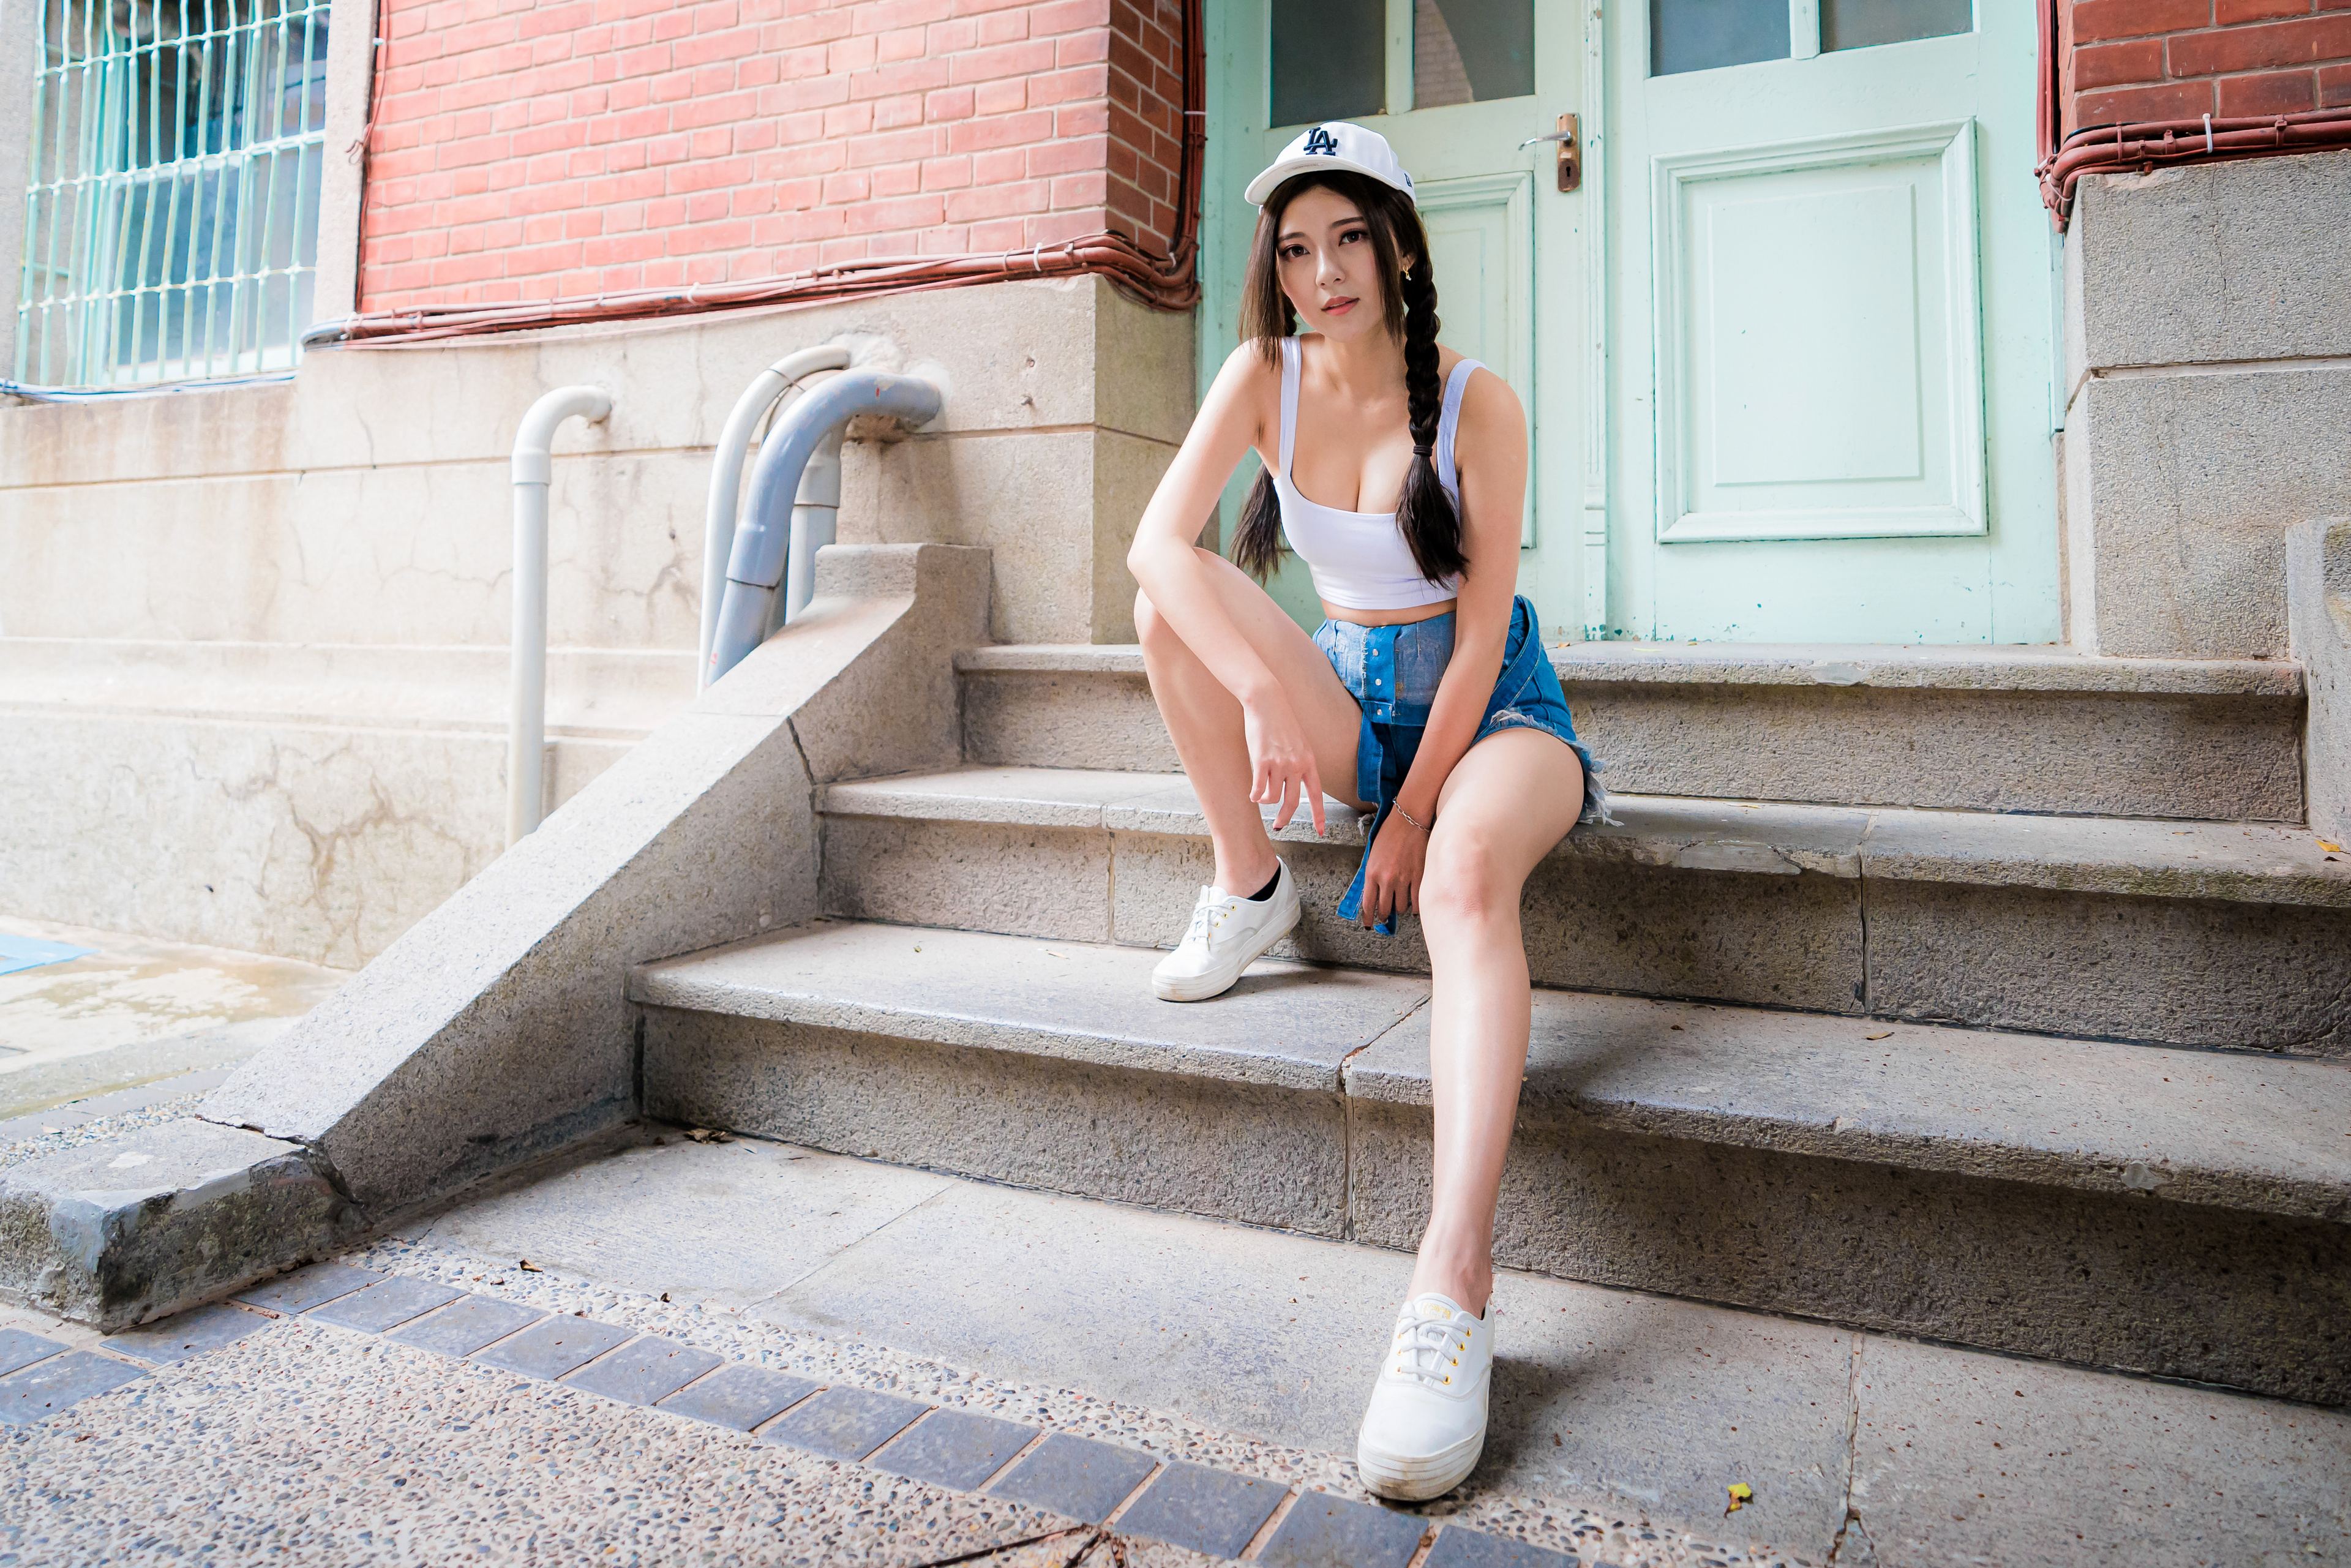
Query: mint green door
(1458, 87)
(1830, 357)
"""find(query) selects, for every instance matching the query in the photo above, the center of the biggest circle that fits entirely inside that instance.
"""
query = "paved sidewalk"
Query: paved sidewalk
(1189, 1381)
(134, 1010)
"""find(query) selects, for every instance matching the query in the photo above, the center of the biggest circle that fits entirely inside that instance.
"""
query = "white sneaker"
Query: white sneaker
(1228, 932)
(1426, 1424)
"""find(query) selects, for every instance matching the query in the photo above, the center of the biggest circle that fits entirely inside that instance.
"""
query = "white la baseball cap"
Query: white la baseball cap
(1333, 145)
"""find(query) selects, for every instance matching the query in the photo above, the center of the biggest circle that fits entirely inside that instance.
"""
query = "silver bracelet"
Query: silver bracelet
(1408, 816)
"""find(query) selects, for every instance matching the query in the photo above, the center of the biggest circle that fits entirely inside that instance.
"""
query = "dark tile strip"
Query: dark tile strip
(1215, 1512)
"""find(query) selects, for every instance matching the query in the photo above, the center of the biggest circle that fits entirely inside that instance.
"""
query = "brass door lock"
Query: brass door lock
(1571, 160)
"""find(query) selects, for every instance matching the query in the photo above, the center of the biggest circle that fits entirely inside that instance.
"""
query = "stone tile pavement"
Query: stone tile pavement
(909, 1369)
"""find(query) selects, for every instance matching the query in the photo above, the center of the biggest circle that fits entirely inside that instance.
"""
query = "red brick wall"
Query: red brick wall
(527, 150)
(2124, 61)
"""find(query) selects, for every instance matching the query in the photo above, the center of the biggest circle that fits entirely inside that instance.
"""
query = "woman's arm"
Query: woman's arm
(1174, 575)
(1489, 453)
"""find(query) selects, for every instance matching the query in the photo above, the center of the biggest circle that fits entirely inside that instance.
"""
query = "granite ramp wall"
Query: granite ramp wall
(498, 1027)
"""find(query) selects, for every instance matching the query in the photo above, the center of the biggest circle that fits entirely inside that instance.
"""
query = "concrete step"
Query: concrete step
(2174, 1212)
(2223, 934)
(1973, 728)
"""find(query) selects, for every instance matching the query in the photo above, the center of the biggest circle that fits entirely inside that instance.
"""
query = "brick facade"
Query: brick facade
(2131, 61)
(527, 150)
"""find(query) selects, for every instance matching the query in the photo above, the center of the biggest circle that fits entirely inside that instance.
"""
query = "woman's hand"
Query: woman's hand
(1392, 875)
(1281, 763)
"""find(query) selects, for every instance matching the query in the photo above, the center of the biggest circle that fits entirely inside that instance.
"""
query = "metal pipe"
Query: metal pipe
(727, 475)
(526, 687)
(757, 567)
(815, 514)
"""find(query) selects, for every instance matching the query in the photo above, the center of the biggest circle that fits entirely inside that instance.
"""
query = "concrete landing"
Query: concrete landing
(1261, 1344)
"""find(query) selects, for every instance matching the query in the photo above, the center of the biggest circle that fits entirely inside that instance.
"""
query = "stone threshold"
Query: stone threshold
(1988, 667)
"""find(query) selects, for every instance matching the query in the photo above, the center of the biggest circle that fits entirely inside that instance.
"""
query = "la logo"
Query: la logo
(1320, 139)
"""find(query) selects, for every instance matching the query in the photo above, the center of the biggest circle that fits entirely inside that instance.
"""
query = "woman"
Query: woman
(1425, 699)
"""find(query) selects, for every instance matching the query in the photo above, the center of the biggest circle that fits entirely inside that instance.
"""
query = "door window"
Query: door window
(1329, 60)
(1858, 24)
(1708, 35)
(1471, 51)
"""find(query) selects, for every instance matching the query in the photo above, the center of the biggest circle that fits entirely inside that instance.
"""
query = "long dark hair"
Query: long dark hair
(1424, 514)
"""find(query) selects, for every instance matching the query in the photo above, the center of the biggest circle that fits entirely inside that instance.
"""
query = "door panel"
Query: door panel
(1818, 372)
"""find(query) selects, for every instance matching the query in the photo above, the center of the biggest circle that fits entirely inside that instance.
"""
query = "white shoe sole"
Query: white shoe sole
(1217, 982)
(1419, 1478)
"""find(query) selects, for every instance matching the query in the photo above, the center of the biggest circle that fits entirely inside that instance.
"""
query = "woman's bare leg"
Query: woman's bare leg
(1509, 800)
(1205, 719)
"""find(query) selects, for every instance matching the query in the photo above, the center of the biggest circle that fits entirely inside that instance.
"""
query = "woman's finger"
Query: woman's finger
(1314, 794)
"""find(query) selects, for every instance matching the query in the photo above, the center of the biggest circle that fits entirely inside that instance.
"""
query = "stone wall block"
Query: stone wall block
(1028, 497)
(2195, 479)
(2214, 262)
(1246, 1151)
(898, 712)
(2319, 598)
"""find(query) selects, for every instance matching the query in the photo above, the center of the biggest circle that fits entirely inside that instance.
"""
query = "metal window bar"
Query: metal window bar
(171, 222)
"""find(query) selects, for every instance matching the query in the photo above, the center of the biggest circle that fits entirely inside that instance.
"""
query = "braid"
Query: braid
(1426, 515)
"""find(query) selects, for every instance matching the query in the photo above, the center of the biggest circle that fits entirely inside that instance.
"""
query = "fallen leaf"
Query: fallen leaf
(1741, 1494)
(1887, 1035)
(2323, 844)
(527, 1267)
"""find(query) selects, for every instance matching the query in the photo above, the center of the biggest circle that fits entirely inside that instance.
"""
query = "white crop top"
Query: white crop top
(1360, 560)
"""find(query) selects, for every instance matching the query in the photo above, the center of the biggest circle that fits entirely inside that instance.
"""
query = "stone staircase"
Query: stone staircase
(2016, 1013)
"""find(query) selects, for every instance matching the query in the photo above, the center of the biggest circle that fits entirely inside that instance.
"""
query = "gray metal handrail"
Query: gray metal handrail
(776, 544)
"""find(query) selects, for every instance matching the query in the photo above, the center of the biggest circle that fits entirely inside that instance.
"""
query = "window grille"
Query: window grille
(171, 222)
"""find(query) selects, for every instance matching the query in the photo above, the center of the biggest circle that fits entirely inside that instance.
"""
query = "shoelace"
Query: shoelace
(1206, 918)
(1435, 1340)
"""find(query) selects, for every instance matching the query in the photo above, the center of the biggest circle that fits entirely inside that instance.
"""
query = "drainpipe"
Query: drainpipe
(526, 690)
(777, 536)
(816, 516)
(727, 475)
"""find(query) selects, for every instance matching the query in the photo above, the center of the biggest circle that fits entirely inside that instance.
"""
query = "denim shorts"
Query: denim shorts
(1393, 672)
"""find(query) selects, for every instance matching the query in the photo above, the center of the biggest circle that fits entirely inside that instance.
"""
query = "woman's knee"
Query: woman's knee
(1464, 882)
